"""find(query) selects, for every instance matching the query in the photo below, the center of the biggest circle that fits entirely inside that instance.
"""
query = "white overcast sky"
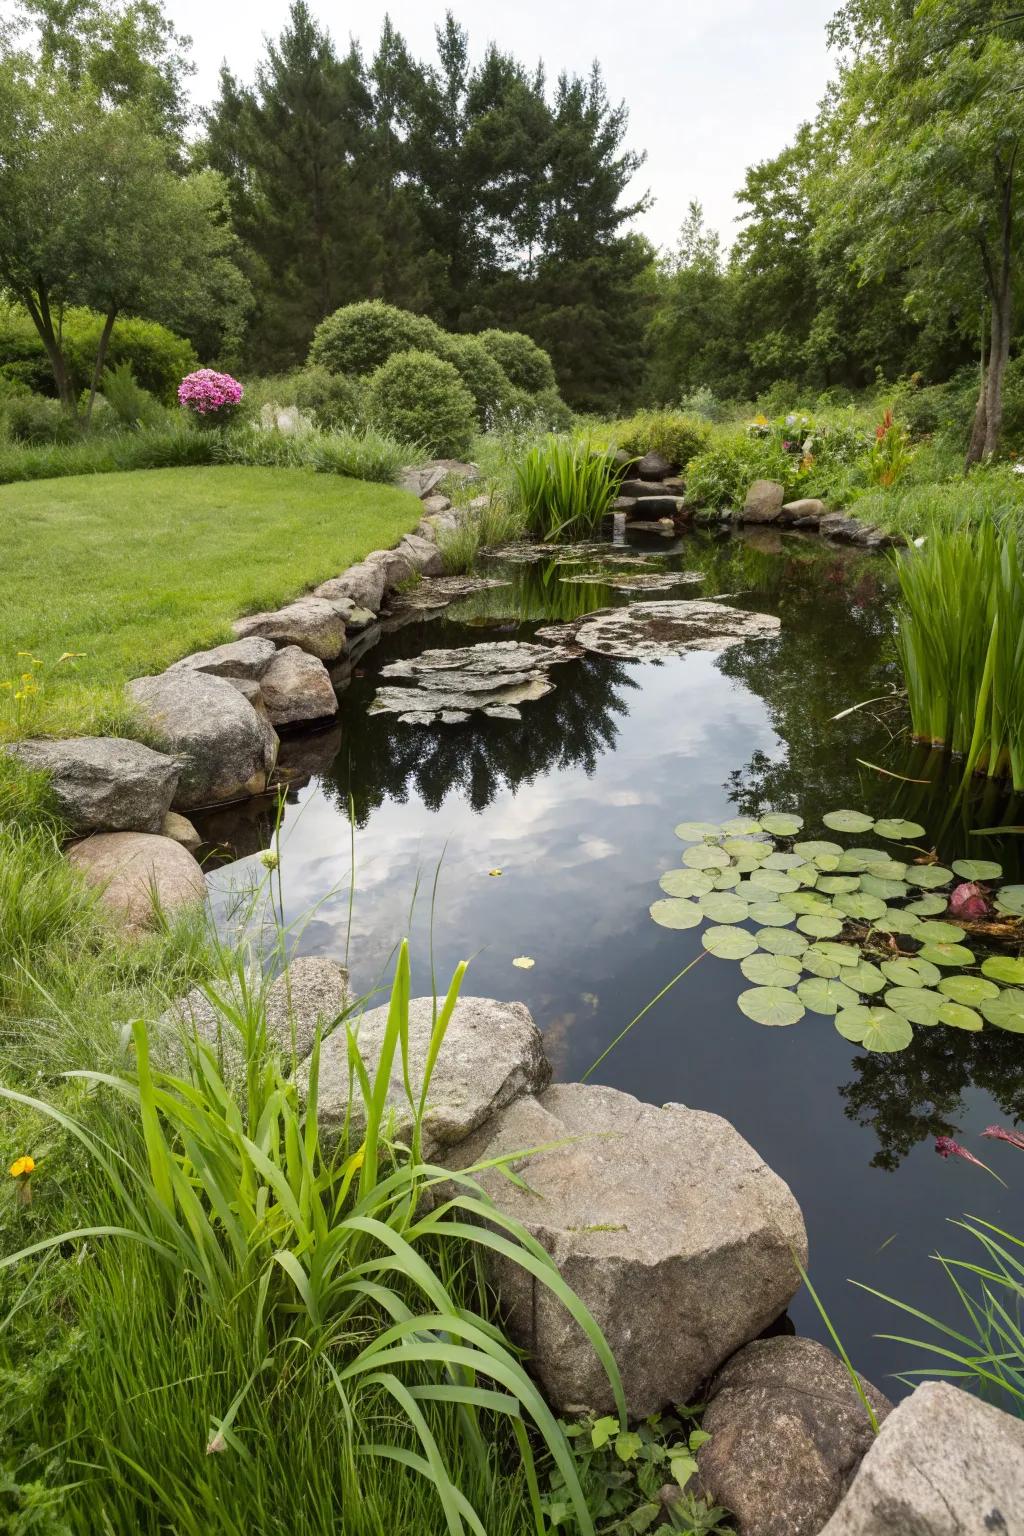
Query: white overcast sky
(712, 85)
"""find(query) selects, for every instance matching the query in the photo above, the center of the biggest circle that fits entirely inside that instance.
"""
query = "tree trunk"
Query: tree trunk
(988, 418)
(977, 443)
(101, 358)
(38, 306)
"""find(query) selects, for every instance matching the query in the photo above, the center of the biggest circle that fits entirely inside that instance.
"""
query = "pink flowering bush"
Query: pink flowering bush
(209, 395)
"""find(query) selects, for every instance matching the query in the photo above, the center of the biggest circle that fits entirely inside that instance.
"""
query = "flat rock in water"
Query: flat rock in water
(439, 591)
(104, 783)
(655, 581)
(450, 683)
(139, 876)
(944, 1464)
(788, 1431)
(666, 1224)
(654, 631)
(492, 1055)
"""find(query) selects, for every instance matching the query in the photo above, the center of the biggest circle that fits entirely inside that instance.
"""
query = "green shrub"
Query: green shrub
(528, 366)
(721, 475)
(358, 338)
(132, 405)
(158, 358)
(482, 375)
(564, 488)
(35, 419)
(361, 455)
(702, 403)
(420, 398)
(677, 438)
(332, 399)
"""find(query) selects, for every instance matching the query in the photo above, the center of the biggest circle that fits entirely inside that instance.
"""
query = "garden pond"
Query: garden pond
(548, 836)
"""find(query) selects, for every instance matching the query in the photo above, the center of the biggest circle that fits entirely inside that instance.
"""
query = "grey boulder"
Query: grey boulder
(104, 783)
(944, 1464)
(312, 623)
(763, 503)
(180, 830)
(308, 995)
(807, 507)
(362, 585)
(226, 749)
(247, 659)
(788, 1432)
(139, 876)
(395, 565)
(423, 555)
(837, 525)
(654, 466)
(492, 1055)
(297, 687)
(665, 1222)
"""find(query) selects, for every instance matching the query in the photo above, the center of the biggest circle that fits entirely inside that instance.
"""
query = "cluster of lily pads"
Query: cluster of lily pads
(852, 933)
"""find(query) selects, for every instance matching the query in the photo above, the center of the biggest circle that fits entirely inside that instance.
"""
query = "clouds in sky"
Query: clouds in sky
(712, 85)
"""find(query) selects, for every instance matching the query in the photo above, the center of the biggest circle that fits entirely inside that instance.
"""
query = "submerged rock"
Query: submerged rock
(449, 684)
(654, 631)
(665, 1222)
(655, 581)
(439, 591)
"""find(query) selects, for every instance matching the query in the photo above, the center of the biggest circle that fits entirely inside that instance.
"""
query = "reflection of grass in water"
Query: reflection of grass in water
(536, 594)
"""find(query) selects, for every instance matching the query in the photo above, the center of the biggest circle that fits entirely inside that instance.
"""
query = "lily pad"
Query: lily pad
(977, 869)
(784, 861)
(896, 827)
(741, 826)
(771, 970)
(726, 879)
(674, 913)
(723, 907)
(929, 876)
(747, 848)
(813, 849)
(865, 978)
(822, 995)
(702, 856)
(773, 880)
(897, 921)
(1004, 968)
(1006, 1011)
(771, 1005)
(781, 824)
(819, 926)
(1011, 899)
(685, 882)
(696, 831)
(838, 885)
(848, 821)
(928, 906)
(877, 1029)
(728, 943)
(780, 941)
(957, 1016)
(939, 933)
(948, 954)
(861, 905)
(818, 964)
(918, 1004)
(771, 914)
(910, 973)
(969, 990)
(805, 901)
(843, 954)
(878, 885)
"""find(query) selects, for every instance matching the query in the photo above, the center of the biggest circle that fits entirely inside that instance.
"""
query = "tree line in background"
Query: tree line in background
(881, 242)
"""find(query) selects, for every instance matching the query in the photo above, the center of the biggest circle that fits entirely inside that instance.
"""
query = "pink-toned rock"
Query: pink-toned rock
(139, 875)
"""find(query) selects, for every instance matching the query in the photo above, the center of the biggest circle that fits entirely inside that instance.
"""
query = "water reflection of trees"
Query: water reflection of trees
(381, 759)
(908, 1096)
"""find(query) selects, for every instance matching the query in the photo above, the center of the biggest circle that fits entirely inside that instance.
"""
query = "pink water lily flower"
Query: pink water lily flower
(997, 1133)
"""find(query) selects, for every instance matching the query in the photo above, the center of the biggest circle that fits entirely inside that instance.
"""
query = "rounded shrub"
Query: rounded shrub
(332, 399)
(421, 399)
(157, 357)
(36, 419)
(360, 337)
(528, 366)
(676, 437)
(481, 373)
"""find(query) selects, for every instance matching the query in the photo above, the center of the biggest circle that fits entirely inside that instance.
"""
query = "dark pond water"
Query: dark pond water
(576, 806)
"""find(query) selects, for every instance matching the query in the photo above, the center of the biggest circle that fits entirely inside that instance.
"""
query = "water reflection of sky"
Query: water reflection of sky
(580, 854)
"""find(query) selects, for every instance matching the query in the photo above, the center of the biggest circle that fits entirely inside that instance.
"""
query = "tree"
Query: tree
(92, 212)
(691, 336)
(931, 108)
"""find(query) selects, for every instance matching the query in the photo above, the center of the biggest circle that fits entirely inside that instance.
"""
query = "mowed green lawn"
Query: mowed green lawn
(138, 569)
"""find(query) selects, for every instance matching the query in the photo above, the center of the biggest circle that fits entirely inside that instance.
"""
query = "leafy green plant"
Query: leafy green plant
(480, 372)
(676, 437)
(564, 488)
(420, 398)
(890, 454)
(721, 475)
(310, 1251)
(34, 419)
(131, 404)
(961, 645)
(359, 338)
(334, 400)
(526, 364)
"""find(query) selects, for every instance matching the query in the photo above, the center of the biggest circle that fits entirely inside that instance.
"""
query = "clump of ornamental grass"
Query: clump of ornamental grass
(349, 1271)
(564, 487)
(960, 640)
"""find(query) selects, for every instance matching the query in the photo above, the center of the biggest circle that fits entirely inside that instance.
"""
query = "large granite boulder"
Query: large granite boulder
(491, 1056)
(104, 783)
(764, 502)
(245, 659)
(139, 876)
(297, 687)
(807, 511)
(310, 993)
(667, 1224)
(396, 566)
(654, 466)
(226, 749)
(312, 623)
(422, 554)
(788, 1432)
(944, 1464)
(362, 585)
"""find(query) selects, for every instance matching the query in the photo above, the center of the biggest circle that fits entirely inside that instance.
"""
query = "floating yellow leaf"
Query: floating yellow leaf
(524, 962)
(493, 872)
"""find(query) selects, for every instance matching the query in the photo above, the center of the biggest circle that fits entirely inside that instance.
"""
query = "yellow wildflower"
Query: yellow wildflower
(22, 1166)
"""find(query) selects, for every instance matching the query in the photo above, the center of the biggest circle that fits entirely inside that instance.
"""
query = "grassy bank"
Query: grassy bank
(136, 570)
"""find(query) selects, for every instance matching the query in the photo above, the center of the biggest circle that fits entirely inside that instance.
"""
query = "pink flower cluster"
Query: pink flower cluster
(206, 392)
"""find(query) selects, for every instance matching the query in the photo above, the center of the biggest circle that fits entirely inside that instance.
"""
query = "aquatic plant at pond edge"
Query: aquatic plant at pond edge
(564, 488)
(343, 1256)
(961, 644)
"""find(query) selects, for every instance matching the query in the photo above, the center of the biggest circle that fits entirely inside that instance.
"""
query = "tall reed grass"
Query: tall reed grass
(960, 640)
(564, 488)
